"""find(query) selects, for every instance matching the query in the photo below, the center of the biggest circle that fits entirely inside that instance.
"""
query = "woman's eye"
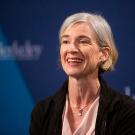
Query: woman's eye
(65, 42)
(84, 41)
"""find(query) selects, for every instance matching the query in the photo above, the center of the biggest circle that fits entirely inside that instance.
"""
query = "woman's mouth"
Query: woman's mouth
(74, 61)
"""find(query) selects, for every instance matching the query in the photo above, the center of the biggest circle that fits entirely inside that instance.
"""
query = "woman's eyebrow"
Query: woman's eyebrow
(64, 36)
(83, 36)
(79, 37)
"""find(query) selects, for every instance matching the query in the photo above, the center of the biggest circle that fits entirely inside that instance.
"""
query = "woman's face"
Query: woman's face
(79, 52)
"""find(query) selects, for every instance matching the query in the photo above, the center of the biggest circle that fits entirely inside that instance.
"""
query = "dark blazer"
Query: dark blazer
(116, 113)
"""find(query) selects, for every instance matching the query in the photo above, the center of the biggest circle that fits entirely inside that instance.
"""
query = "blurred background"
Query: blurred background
(29, 53)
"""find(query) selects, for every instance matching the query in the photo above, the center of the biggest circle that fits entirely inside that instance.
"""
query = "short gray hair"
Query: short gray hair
(103, 34)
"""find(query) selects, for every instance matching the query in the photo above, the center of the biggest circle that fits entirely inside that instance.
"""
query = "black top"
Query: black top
(116, 113)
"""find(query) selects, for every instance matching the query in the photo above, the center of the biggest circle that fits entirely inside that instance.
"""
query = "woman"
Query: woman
(85, 105)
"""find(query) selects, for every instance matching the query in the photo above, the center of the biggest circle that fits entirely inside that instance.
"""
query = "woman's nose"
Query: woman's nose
(72, 48)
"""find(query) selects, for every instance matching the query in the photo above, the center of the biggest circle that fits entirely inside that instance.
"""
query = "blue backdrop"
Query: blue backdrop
(29, 69)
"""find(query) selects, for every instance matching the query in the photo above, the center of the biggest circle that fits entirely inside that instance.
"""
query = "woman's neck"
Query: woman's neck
(82, 91)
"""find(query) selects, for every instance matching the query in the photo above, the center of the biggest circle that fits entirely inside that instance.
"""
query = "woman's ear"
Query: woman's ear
(105, 51)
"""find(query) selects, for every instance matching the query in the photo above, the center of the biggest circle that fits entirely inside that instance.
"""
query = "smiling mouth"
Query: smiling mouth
(74, 60)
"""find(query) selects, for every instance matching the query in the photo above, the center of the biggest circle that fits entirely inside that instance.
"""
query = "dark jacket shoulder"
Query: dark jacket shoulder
(38, 115)
(46, 116)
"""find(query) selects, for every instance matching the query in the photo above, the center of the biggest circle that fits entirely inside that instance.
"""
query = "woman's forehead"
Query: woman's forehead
(81, 28)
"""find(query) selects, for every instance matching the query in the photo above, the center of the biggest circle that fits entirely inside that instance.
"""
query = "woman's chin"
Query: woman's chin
(74, 74)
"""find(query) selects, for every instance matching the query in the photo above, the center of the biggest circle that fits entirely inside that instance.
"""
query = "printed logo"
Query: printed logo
(128, 92)
(27, 51)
